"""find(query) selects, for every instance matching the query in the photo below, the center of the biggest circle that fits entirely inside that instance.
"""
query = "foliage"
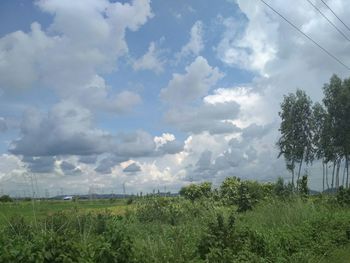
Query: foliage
(5, 199)
(282, 190)
(295, 143)
(66, 238)
(302, 187)
(343, 196)
(229, 189)
(277, 225)
(196, 191)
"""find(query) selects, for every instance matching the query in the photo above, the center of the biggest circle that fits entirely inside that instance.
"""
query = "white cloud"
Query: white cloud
(85, 39)
(214, 118)
(151, 60)
(192, 85)
(195, 44)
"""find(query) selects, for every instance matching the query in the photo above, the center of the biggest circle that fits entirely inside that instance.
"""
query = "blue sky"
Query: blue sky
(99, 93)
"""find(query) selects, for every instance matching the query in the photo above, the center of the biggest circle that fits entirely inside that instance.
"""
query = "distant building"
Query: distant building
(68, 198)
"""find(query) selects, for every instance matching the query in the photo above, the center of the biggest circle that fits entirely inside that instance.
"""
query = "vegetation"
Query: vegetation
(258, 223)
(320, 131)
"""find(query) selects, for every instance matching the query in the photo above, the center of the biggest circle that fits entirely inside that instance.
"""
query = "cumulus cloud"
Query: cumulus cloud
(132, 168)
(88, 159)
(69, 168)
(195, 44)
(214, 118)
(85, 40)
(67, 129)
(151, 60)
(97, 95)
(106, 165)
(40, 164)
(192, 85)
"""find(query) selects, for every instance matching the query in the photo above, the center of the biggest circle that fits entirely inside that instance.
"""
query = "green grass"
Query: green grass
(341, 255)
(171, 229)
(40, 209)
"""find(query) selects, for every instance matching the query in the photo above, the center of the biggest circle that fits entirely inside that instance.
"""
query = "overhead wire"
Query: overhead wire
(335, 15)
(329, 21)
(305, 35)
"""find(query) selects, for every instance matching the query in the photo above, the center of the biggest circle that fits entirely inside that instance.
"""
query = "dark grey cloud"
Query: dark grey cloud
(65, 130)
(204, 161)
(106, 164)
(88, 159)
(171, 147)
(69, 168)
(132, 168)
(40, 164)
(68, 130)
(3, 125)
(255, 131)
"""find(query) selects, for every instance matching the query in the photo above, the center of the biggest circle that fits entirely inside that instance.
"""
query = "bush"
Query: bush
(229, 190)
(228, 240)
(196, 191)
(5, 199)
(343, 196)
(67, 237)
(281, 190)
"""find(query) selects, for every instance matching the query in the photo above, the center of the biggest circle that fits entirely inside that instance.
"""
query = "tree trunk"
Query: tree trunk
(347, 171)
(337, 174)
(323, 175)
(332, 184)
(344, 170)
(300, 164)
(327, 182)
(293, 174)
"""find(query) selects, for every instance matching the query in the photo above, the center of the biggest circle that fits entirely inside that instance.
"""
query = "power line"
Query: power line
(329, 21)
(304, 34)
(335, 14)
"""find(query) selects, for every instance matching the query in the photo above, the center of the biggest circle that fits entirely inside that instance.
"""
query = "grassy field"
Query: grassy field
(37, 210)
(199, 228)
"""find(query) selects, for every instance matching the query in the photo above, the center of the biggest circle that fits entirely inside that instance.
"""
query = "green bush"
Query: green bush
(343, 196)
(5, 199)
(196, 191)
(65, 237)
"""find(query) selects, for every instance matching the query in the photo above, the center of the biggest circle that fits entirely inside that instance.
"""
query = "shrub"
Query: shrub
(282, 190)
(229, 190)
(245, 200)
(5, 199)
(196, 191)
(343, 196)
(302, 187)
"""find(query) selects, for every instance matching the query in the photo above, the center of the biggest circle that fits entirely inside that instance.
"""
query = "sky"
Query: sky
(96, 94)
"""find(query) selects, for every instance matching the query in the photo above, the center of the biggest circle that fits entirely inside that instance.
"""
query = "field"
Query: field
(242, 222)
(38, 210)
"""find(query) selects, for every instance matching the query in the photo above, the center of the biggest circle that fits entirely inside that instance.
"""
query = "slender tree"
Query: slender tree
(295, 143)
(320, 140)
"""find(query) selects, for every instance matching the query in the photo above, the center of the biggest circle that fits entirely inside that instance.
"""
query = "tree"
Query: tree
(196, 191)
(337, 103)
(5, 199)
(244, 201)
(229, 189)
(320, 139)
(303, 188)
(295, 143)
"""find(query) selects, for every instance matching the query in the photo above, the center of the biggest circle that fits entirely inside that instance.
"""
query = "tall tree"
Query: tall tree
(295, 143)
(320, 138)
(334, 104)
